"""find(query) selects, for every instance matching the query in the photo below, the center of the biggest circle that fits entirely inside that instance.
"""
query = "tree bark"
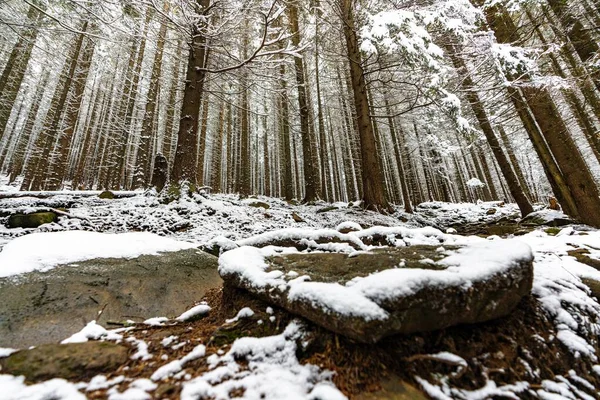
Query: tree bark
(372, 178)
(186, 157)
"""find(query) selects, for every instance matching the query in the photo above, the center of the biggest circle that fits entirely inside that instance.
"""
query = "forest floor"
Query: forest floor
(243, 348)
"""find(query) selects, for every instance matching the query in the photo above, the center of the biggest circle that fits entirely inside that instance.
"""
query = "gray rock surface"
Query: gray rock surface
(422, 308)
(67, 361)
(46, 307)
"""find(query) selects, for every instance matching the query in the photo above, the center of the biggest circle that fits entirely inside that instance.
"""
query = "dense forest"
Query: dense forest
(388, 101)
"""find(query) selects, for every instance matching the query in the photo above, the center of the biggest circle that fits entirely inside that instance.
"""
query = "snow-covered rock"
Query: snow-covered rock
(405, 289)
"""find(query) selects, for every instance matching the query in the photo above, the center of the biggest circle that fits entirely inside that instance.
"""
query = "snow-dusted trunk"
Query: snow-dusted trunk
(58, 168)
(202, 140)
(168, 139)
(514, 162)
(143, 163)
(579, 35)
(311, 181)
(18, 158)
(14, 70)
(373, 195)
(577, 68)
(186, 157)
(35, 174)
(468, 86)
(577, 107)
(284, 131)
(580, 184)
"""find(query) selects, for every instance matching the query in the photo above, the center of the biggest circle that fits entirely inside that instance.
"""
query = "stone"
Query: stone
(547, 218)
(259, 204)
(32, 220)
(491, 211)
(297, 218)
(326, 209)
(75, 361)
(46, 307)
(107, 195)
(418, 307)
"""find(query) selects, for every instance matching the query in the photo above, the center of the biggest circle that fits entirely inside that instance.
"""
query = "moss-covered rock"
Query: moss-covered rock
(68, 361)
(553, 231)
(326, 209)
(259, 204)
(107, 194)
(32, 220)
(175, 190)
(430, 300)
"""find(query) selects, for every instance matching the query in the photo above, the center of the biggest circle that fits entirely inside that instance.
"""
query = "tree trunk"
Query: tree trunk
(58, 168)
(14, 70)
(581, 183)
(202, 140)
(372, 177)
(143, 171)
(186, 157)
(311, 182)
(581, 38)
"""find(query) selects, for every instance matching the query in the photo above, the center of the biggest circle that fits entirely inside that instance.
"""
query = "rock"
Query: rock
(548, 218)
(326, 209)
(218, 245)
(297, 218)
(368, 296)
(259, 204)
(348, 226)
(46, 307)
(107, 195)
(491, 211)
(160, 173)
(32, 220)
(594, 286)
(301, 239)
(76, 361)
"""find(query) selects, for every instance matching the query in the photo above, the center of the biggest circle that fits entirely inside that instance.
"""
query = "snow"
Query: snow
(299, 234)
(44, 251)
(176, 366)
(200, 309)
(335, 298)
(475, 183)
(14, 388)
(5, 352)
(478, 261)
(142, 349)
(138, 390)
(168, 340)
(272, 368)
(245, 312)
(349, 225)
(92, 331)
(156, 321)
(273, 372)
(101, 382)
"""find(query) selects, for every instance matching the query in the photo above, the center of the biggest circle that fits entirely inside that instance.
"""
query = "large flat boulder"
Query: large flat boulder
(67, 361)
(46, 307)
(368, 295)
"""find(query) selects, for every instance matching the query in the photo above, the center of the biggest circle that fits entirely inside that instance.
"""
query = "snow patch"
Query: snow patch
(44, 251)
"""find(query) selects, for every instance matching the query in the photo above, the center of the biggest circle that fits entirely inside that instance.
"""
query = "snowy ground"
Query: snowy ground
(271, 369)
